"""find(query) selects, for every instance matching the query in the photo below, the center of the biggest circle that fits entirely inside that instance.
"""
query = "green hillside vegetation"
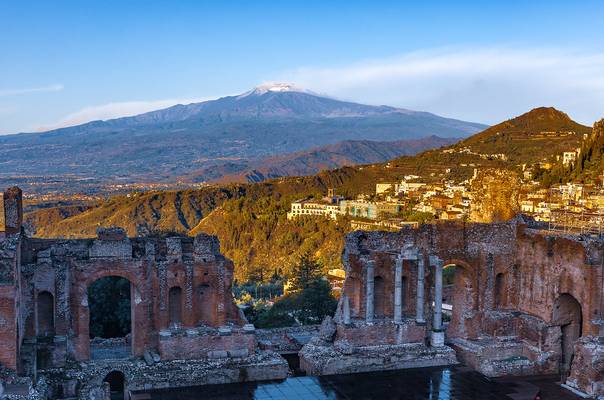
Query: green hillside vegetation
(589, 166)
(257, 236)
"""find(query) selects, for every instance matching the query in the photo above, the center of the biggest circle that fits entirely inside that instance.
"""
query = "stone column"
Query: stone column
(346, 310)
(369, 294)
(419, 309)
(438, 337)
(398, 290)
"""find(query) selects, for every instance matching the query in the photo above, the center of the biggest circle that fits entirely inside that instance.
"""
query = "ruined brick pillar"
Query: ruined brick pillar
(370, 277)
(13, 210)
(220, 290)
(398, 290)
(419, 308)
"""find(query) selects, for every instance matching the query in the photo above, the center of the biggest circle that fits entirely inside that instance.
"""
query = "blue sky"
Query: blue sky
(64, 62)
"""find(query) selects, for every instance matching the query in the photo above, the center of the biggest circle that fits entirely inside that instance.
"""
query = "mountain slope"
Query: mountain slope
(309, 162)
(529, 135)
(163, 144)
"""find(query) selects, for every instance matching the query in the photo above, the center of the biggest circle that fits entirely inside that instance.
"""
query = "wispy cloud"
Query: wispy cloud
(481, 84)
(15, 92)
(115, 110)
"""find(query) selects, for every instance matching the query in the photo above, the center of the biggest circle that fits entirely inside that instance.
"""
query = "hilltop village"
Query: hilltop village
(413, 200)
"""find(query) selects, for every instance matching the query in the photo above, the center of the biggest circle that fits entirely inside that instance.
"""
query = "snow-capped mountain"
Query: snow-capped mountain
(268, 120)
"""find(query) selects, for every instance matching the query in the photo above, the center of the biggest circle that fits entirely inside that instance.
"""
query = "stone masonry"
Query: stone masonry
(524, 302)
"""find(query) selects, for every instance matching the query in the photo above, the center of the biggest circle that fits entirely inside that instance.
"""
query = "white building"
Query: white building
(406, 187)
(306, 207)
(385, 187)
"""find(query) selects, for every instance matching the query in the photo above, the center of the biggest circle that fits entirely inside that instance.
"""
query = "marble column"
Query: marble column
(419, 309)
(369, 307)
(398, 290)
(437, 333)
(438, 291)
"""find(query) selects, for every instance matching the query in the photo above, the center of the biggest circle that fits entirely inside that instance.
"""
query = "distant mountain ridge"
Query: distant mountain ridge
(163, 144)
(346, 153)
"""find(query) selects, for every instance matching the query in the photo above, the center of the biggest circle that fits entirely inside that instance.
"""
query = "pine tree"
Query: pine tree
(305, 272)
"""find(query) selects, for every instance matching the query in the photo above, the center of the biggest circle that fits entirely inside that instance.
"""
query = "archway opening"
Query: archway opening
(117, 385)
(378, 296)
(46, 314)
(109, 304)
(448, 290)
(175, 306)
(568, 315)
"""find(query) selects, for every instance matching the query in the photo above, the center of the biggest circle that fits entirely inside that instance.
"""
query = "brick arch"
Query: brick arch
(465, 298)
(96, 376)
(568, 315)
(139, 308)
(45, 313)
(119, 272)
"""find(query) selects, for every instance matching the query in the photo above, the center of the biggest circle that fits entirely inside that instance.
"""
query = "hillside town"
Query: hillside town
(569, 207)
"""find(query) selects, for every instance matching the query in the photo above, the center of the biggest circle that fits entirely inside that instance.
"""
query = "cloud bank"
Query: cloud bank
(15, 92)
(480, 84)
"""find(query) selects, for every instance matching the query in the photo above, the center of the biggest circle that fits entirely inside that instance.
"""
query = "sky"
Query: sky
(67, 62)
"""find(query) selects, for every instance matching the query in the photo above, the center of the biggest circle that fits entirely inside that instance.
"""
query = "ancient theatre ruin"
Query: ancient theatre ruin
(504, 298)
(523, 302)
(181, 306)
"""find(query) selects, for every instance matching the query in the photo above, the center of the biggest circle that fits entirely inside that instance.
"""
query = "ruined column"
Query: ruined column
(438, 337)
(369, 294)
(398, 290)
(12, 211)
(419, 309)
(346, 310)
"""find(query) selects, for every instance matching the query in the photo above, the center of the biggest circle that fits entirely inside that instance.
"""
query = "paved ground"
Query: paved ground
(418, 384)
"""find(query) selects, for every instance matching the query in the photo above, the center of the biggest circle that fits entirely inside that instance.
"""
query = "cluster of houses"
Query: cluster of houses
(389, 208)
(569, 205)
(384, 209)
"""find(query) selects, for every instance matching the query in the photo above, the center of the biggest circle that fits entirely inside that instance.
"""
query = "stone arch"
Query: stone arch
(140, 322)
(45, 314)
(379, 297)
(117, 384)
(175, 306)
(567, 314)
(463, 300)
